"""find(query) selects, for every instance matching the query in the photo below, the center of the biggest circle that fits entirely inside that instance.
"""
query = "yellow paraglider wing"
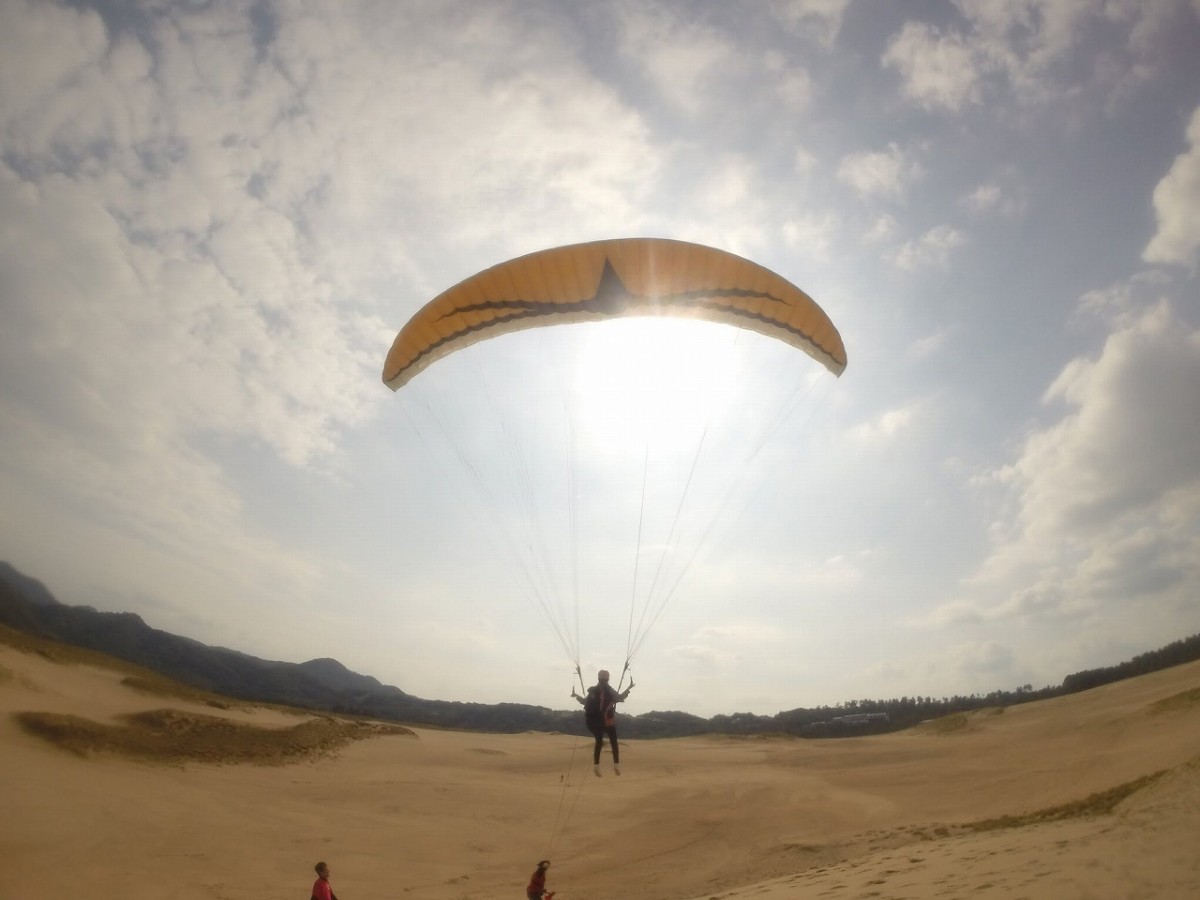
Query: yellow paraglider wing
(606, 279)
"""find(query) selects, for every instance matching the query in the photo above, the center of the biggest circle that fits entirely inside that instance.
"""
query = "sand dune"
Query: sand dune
(1095, 795)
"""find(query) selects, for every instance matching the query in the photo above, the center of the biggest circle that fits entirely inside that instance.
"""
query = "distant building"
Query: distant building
(860, 719)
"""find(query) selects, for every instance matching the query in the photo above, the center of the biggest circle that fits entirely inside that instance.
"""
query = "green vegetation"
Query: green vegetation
(173, 737)
(1180, 702)
(153, 683)
(1098, 804)
(1173, 654)
(947, 724)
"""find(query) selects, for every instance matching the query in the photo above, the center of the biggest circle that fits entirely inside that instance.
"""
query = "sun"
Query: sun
(652, 382)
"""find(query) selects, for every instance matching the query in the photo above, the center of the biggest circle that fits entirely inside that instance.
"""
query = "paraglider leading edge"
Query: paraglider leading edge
(607, 279)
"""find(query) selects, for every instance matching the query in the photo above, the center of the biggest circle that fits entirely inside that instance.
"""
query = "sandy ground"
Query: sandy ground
(1096, 795)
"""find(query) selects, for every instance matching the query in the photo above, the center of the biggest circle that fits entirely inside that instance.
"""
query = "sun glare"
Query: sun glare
(661, 381)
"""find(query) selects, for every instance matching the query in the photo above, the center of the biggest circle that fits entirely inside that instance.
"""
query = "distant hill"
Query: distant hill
(319, 684)
(32, 590)
(326, 684)
(337, 677)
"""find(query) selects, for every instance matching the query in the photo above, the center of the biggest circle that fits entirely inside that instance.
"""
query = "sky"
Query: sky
(215, 216)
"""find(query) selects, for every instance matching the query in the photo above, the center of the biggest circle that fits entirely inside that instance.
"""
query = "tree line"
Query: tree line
(904, 712)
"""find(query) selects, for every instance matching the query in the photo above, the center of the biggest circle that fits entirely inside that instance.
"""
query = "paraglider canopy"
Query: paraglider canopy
(609, 279)
(662, 495)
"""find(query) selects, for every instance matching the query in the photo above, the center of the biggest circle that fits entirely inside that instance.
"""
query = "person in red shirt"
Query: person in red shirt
(321, 889)
(537, 883)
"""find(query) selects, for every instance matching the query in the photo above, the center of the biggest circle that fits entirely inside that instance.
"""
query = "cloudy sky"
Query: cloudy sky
(215, 216)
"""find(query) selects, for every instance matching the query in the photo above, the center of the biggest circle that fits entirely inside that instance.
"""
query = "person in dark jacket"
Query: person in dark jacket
(600, 714)
(537, 883)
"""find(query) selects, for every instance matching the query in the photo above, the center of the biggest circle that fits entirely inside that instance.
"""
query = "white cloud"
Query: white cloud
(196, 239)
(792, 85)
(1177, 206)
(680, 55)
(31, 78)
(1105, 500)
(705, 654)
(881, 230)
(1025, 38)
(701, 72)
(886, 173)
(1129, 429)
(1122, 305)
(742, 633)
(803, 162)
(888, 425)
(932, 343)
(727, 202)
(222, 238)
(1022, 50)
(811, 235)
(817, 20)
(989, 658)
(938, 70)
(1002, 196)
(933, 249)
(406, 161)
